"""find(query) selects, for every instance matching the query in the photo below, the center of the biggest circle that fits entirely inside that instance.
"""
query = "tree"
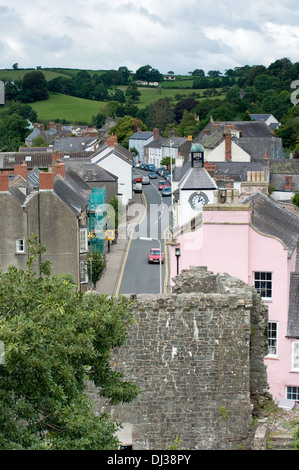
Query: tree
(96, 263)
(34, 87)
(160, 114)
(40, 141)
(55, 338)
(185, 105)
(99, 120)
(132, 92)
(125, 127)
(13, 130)
(198, 73)
(115, 211)
(147, 73)
(166, 161)
(296, 199)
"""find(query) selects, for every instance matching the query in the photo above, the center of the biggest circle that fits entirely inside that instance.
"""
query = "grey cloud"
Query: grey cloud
(49, 43)
(76, 23)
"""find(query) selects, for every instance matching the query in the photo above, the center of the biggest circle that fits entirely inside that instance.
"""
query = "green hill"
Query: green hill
(69, 108)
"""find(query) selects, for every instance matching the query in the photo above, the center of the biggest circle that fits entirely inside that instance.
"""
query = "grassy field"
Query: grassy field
(79, 110)
(76, 110)
(16, 75)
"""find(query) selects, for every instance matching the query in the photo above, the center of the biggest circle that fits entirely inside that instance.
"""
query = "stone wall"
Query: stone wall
(198, 355)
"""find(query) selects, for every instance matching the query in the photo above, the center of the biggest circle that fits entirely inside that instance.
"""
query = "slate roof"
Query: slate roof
(211, 141)
(270, 218)
(141, 135)
(175, 142)
(73, 191)
(156, 143)
(197, 178)
(264, 117)
(285, 166)
(247, 128)
(93, 172)
(259, 147)
(237, 171)
(17, 194)
(38, 159)
(179, 171)
(68, 144)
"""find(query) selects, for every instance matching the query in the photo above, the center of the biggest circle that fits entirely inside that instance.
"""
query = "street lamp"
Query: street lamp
(157, 240)
(177, 253)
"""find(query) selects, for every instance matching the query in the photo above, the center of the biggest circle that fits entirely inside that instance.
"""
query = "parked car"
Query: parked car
(145, 180)
(137, 187)
(166, 192)
(138, 179)
(155, 255)
(145, 167)
(151, 167)
(152, 175)
(162, 184)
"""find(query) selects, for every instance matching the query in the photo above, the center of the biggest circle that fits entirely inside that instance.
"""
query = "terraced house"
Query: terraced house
(53, 205)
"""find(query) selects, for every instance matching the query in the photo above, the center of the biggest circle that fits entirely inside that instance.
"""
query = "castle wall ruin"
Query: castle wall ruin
(197, 354)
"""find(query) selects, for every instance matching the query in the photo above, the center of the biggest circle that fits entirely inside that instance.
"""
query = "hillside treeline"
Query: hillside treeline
(239, 92)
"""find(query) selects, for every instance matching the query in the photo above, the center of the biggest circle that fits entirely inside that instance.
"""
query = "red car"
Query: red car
(138, 179)
(155, 255)
(162, 185)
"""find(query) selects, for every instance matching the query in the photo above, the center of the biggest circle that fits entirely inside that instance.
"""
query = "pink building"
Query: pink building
(255, 240)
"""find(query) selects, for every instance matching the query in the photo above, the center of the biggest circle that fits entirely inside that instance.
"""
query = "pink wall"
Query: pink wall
(226, 242)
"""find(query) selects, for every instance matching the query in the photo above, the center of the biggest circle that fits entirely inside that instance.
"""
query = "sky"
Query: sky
(169, 35)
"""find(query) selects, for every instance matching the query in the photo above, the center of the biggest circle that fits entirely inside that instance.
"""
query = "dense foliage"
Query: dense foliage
(14, 126)
(232, 96)
(55, 338)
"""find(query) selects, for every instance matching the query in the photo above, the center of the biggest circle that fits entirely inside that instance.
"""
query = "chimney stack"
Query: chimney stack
(156, 132)
(112, 139)
(59, 169)
(4, 182)
(21, 170)
(288, 183)
(228, 146)
(46, 181)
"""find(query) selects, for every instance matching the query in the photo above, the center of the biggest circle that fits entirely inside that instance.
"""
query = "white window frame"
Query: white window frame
(83, 272)
(83, 242)
(272, 339)
(257, 278)
(295, 356)
(292, 393)
(20, 245)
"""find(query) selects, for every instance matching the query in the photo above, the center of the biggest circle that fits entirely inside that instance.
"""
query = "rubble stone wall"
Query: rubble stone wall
(197, 354)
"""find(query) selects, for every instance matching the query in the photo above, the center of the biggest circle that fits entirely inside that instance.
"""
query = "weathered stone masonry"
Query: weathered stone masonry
(198, 356)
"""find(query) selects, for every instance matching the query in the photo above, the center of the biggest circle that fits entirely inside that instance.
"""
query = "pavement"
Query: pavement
(109, 282)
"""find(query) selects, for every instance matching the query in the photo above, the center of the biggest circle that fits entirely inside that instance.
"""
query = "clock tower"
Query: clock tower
(196, 187)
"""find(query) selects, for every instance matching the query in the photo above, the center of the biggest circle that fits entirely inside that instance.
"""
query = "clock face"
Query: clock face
(197, 200)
